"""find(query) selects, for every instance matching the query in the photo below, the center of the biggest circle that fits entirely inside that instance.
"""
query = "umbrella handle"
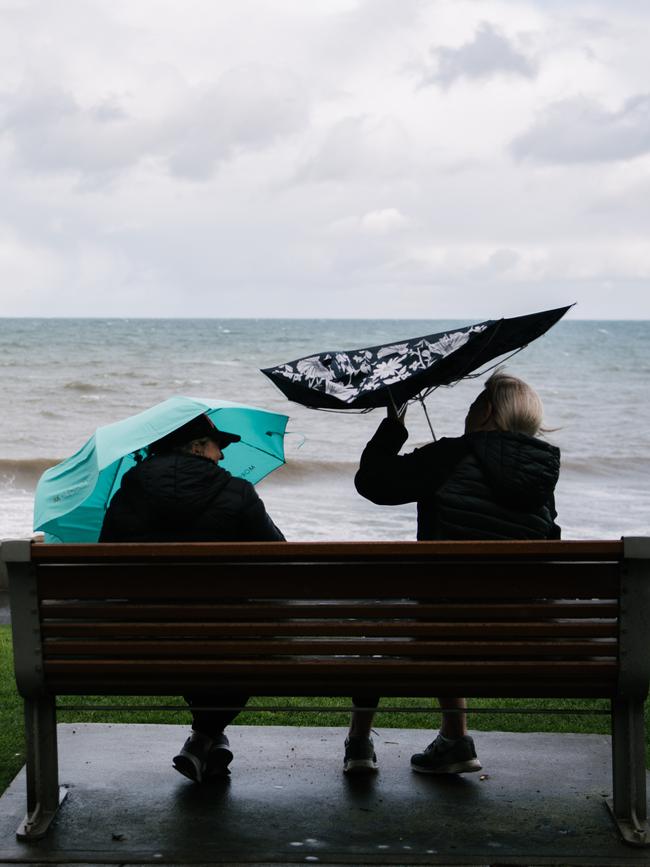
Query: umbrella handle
(424, 407)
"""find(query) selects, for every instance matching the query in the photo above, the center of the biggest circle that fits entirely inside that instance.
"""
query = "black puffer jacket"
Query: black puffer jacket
(186, 498)
(486, 485)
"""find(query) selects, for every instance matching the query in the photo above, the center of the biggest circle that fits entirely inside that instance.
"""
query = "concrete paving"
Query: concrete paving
(538, 801)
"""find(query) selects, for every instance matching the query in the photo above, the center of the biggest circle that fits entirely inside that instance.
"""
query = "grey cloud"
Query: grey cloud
(249, 108)
(51, 132)
(364, 26)
(108, 111)
(581, 130)
(489, 53)
(358, 147)
(497, 265)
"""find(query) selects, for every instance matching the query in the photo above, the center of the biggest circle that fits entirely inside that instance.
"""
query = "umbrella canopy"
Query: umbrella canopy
(358, 379)
(72, 497)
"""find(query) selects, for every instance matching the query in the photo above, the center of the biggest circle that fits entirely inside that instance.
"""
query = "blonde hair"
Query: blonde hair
(515, 405)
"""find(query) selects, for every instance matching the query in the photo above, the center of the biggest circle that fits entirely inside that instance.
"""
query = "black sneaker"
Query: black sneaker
(360, 755)
(203, 758)
(445, 757)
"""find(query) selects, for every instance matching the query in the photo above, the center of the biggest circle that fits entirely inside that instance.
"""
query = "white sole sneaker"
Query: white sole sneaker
(189, 766)
(360, 766)
(203, 758)
(468, 767)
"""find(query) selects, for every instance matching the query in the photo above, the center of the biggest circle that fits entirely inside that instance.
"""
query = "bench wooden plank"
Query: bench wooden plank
(388, 628)
(245, 610)
(364, 647)
(324, 667)
(450, 581)
(269, 551)
(402, 686)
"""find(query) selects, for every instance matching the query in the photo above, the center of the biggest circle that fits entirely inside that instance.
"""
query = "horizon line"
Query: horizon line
(455, 317)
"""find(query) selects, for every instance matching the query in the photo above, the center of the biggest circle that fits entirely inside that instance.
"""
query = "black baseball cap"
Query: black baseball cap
(201, 427)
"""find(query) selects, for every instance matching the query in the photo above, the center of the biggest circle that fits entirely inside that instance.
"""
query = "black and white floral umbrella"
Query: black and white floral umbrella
(379, 376)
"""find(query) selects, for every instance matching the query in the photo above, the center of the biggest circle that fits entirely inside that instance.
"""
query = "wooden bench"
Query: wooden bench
(503, 619)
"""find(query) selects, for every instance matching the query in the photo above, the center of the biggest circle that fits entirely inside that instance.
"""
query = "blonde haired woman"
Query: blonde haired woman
(496, 481)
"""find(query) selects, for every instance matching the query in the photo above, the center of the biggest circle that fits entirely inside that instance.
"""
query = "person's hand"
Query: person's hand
(396, 414)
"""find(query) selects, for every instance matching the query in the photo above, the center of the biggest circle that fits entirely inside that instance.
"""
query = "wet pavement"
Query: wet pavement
(538, 800)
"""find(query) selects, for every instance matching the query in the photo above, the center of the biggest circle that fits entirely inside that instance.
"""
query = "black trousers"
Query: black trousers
(213, 722)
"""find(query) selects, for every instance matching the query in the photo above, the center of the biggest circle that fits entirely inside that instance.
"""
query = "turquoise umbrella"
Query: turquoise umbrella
(72, 497)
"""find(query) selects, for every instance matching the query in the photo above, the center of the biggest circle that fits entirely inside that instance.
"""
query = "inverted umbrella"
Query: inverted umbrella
(72, 497)
(376, 376)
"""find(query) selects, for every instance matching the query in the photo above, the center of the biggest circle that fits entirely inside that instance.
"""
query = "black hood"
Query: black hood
(177, 485)
(519, 469)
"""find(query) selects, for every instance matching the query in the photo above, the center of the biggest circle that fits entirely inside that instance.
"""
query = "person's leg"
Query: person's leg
(213, 722)
(454, 724)
(360, 754)
(361, 720)
(452, 751)
(206, 753)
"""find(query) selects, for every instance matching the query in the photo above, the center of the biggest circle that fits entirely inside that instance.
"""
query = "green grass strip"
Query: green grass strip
(12, 748)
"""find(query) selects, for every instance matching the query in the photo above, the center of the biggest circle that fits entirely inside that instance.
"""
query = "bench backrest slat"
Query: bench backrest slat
(441, 579)
(344, 677)
(263, 648)
(99, 610)
(322, 551)
(328, 628)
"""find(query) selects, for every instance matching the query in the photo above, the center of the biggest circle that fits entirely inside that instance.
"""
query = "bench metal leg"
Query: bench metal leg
(628, 806)
(42, 769)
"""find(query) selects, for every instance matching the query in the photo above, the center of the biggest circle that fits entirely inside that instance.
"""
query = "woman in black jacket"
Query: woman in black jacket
(496, 481)
(179, 493)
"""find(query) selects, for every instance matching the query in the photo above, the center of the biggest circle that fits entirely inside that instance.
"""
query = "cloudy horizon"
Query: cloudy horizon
(435, 159)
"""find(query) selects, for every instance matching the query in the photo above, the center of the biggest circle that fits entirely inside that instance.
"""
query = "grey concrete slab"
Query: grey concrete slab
(539, 800)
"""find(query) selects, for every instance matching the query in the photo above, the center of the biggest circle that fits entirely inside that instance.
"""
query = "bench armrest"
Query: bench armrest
(25, 621)
(634, 618)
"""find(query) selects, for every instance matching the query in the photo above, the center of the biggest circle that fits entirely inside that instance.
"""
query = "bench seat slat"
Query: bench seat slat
(353, 627)
(365, 647)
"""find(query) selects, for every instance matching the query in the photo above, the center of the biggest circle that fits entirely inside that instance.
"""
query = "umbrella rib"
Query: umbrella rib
(492, 336)
(425, 393)
(351, 410)
(469, 366)
(392, 400)
(492, 366)
(421, 397)
(424, 407)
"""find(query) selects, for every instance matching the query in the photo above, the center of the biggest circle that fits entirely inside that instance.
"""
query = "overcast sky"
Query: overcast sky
(327, 158)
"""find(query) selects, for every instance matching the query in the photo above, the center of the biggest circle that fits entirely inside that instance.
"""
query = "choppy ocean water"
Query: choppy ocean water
(61, 378)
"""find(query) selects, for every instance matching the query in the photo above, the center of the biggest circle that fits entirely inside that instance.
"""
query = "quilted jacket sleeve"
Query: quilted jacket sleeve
(387, 478)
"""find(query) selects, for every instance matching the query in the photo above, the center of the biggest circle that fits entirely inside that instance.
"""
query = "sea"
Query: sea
(62, 378)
